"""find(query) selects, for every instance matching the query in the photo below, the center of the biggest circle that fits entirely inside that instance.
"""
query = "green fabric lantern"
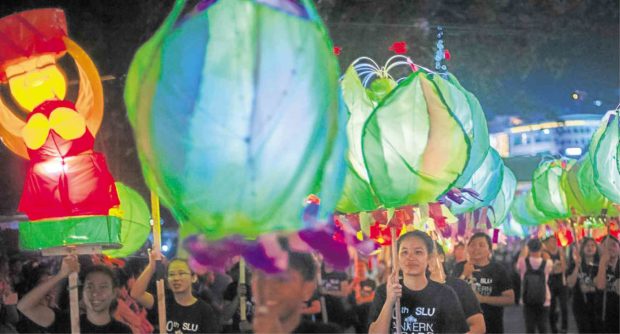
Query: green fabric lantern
(237, 115)
(479, 133)
(500, 206)
(524, 211)
(547, 191)
(486, 181)
(411, 147)
(135, 220)
(582, 194)
(605, 155)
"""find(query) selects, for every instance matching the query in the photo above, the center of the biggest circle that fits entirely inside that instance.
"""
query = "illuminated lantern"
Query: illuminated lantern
(525, 212)
(604, 153)
(68, 187)
(409, 141)
(500, 206)
(547, 192)
(486, 182)
(582, 194)
(237, 117)
(136, 218)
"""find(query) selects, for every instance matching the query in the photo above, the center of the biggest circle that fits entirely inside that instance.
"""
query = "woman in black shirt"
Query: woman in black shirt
(586, 300)
(426, 306)
(608, 280)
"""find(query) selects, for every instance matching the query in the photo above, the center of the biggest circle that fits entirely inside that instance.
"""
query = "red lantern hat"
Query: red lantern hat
(29, 33)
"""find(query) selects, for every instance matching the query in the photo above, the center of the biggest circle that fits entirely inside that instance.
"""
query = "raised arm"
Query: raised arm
(138, 290)
(30, 304)
(571, 279)
(601, 276)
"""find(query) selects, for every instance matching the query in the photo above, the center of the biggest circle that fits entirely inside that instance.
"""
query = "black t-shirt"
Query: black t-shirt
(466, 296)
(490, 280)
(555, 277)
(333, 281)
(62, 324)
(586, 298)
(196, 318)
(434, 309)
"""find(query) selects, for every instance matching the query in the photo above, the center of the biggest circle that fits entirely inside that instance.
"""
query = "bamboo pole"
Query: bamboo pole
(319, 280)
(74, 300)
(242, 297)
(395, 269)
(161, 297)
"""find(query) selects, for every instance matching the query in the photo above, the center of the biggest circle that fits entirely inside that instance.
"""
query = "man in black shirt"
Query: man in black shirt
(491, 283)
(471, 306)
(99, 293)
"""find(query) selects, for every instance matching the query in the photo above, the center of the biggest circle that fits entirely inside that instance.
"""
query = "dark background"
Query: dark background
(519, 57)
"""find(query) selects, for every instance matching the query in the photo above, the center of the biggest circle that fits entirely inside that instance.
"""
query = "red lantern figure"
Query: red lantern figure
(66, 178)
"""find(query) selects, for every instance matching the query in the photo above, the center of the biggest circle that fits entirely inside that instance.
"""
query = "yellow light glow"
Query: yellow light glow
(36, 80)
(546, 125)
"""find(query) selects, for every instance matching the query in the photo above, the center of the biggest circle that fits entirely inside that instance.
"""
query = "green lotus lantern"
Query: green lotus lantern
(486, 182)
(237, 116)
(500, 206)
(582, 194)
(605, 156)
(408, 147)
(547, 192)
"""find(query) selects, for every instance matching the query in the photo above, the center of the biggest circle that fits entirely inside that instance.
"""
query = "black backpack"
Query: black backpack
(534, 284)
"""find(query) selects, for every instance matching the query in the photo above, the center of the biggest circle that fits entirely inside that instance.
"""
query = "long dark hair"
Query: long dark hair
(582, 249)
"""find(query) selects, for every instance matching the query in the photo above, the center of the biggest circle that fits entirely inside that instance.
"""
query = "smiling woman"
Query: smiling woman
(184, 312)
(426, 306)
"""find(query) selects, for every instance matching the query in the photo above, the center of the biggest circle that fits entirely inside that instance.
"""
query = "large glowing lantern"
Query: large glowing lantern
(237, 116)
(67, 183)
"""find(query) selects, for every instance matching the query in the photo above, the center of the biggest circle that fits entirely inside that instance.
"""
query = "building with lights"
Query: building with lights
(568, 136)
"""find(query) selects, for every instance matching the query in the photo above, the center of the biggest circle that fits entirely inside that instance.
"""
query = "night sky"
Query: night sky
(520, 58)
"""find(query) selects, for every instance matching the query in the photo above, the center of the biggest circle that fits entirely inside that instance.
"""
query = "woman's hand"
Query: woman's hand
(393, 289)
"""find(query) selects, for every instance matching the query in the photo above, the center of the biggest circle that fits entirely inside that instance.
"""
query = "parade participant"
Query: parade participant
(279, 297)
(471, 306)
(534, 268)
(184, 312)
(425, 306)
(586, 303)
(557, 286)
(459, 254)
(34, 274)
(490, 281)
(608, 280)
(336, 287)
(98, 295)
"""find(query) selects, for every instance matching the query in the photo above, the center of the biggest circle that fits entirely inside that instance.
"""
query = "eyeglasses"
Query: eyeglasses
(179, 274)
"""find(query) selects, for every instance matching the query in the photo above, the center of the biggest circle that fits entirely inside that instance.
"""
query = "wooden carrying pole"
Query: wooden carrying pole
(74, 300)
(395, 269)
(319, 281)
(242, 297)
(161, 297)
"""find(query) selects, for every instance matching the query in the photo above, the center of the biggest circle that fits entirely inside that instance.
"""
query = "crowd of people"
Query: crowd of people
(458, 290)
